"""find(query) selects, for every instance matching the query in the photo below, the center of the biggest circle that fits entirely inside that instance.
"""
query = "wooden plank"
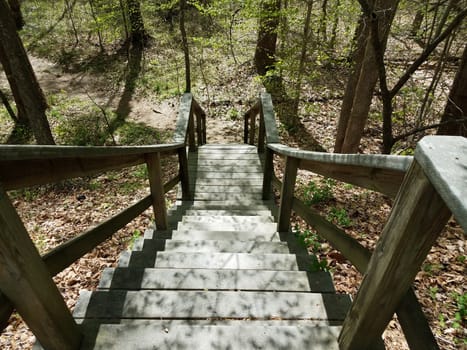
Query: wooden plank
(444, 161)
(242, 261)
(229, 168)
(6, 309)
(261, 135)
(215, 279)
(200, 122)
(241, 176)
(226, 246)
(380, 173)
(171, 183)
(191, 133)
(184, 112)
(227, 188)
(418, 216)
(249, 115)
(287, 194)
(268, 174)
(25, 281)
(247, 335)
(64, 255)
(348, 246)
(184, 174)
(252, 130)
(208, 304)
(19, 174)
(30, 152)
(225, 235)
(157, 190)
(267, 112)
(257, 227)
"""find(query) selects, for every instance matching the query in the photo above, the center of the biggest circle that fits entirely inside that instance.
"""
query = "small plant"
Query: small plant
(311, 240)
(461, 313)
(339, 217)
(233, 114)
(433, 292)
(134, 237)
(318, 264)
(318, 193)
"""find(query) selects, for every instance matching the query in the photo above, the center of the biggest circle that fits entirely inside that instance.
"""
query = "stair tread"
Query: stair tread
(217, 337)
(259, 227)
(246, 261)
(211, 304)
(229, 219)
(224, 235)
(215, 279)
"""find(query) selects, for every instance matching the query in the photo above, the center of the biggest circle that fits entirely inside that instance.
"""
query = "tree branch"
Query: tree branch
(462, 119)
(428, 50)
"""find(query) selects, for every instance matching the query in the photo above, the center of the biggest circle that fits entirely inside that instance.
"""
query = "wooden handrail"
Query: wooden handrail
(185, 126)
(384, 174)
(381, 173)
(22, 166)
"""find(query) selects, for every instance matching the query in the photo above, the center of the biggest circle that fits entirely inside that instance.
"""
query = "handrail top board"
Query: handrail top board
(390, 162)
(25, 152)
(444, 161)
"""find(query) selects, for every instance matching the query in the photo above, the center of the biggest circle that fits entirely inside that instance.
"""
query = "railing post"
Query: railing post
(252, 129)
(191, 131)
(183, 173)
(287, 194)
(203, 125)
(25, 281)
(268, 173)
(261, 132)
(153, 162)
(418, 216)
(246, 119)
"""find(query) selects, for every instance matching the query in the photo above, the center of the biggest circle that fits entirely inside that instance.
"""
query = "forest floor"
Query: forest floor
(53, 214)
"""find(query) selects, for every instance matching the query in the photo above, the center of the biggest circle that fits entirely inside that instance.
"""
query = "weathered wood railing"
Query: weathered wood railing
(426, 189)
(26, 277)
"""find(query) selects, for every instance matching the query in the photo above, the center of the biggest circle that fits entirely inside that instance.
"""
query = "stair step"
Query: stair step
(219, 246)
(225, 175)
(258, 227)
(229, 164)
(204, 212)
(240, 159)
(226, 188)
(217, 337)
(258, 181)
(249, 204)
(215, 279)
(227, 246)
(211, 304)
(244, 261)
(229, 219)
(228, 168)
(223, 235)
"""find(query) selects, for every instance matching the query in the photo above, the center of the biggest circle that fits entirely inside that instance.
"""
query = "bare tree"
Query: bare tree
(456, 107)
(27, 92)
(359, 91)
(267, 35)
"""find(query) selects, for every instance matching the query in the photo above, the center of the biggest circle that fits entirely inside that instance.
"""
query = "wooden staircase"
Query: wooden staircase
(220, 278)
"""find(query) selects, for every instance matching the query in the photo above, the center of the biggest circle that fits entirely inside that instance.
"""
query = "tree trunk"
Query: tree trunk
(357, 104)
(186, 51)
(138, 34)
(267, 36)
(456, 107)
(14, 57)
(361, 38)
(15, 8)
